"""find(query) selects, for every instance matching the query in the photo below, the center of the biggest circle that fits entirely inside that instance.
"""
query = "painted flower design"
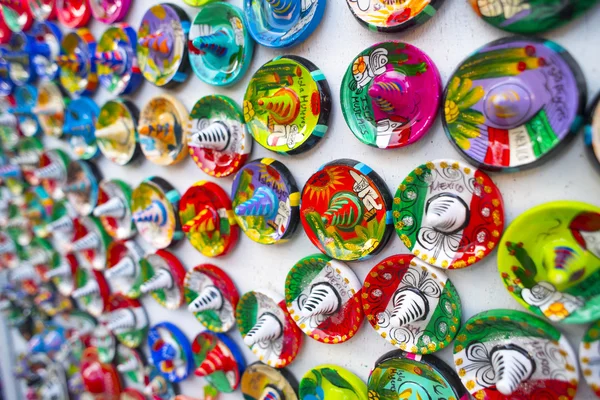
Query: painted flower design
(556, 310)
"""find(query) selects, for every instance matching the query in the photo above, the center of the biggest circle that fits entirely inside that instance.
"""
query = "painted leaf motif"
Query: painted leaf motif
(336, 379)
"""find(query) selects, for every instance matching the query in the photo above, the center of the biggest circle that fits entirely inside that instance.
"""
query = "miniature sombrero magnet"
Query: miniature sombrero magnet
(100, 379)
(16, 15)
(77, 65)
(589, 357)
(220, 46)
(260, 381)
(592, 132)
(105, 343)
(158, 387)
(550, 261)
(42, 10)
(118, 69)
(212, 297)
(44, 48)
(267, 328)
(207, 219)
(287, 104)
(393, 16)
(109, 11)
(90, 243)
(501, 113)
(114, 209)
(332, 382)
(61, 226)
(73, 13)
(323, 298)
(155, 205)
(163, 279)
(81, 187)
(448, 213)
(163, 130)
(265, 200)
(52, 172)
(63, 274)
(530, 16)
(218, 140)
(284, 23)
(346, 210)
(50, 108)
(26, 98)
(171, 351)
(399, 373)
(219, 360)
(92, 291)
(116, 131)
(412, 305)
(80, 126)
(507, 354)
(27, 154)
(132, 370)
(126, 319)
(162, 45)
(18, 54)
(123, 268)
(391, 95)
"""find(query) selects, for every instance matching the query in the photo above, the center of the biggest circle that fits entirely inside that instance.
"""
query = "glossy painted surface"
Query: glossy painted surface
(116, 58)
(393, 17)
(171, 351)
(331, 382)
(589, 354)
(77, 64)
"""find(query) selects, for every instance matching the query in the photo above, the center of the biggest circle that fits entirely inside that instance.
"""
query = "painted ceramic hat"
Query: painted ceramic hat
(550, 261)
(26, 98)
(162, 45)
(158, 387)
(81, 187)
(44, 48)
(114, 209)
(163, 276)
(52, 172)
(60, 227)
(104, 341)
(109, 11)
(589, 354)
(212, 296)
(101, 379)
(592, 132)
(448, 213)
(163, 130)
(267, 328)
(346, 210)
(16, 53)
(80, 126)
(92, 291)
(530, 16)
(126, 319)
(282, 24)
(412, 305)
(124, 270)
(118, 69)
(43, 10)
(16, 15)
(155, 205)
(73, 13)
(323, 297)
(207, 219)
(393, 16)
(116, 131)
(287, 103)
(77, 65)
(220, 46)
(27, 155)
(218, 140)
(260, 381)
(219, 360)
(132, 369)
(265, 200)
(506, 354)
(50, 108)
(390, 95)
(399, 373)
(332, 381)
(63, 274)
(171, 351)
(501, 113)
(90, 243)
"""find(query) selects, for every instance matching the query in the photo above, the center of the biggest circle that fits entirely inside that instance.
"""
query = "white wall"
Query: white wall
(448, 38)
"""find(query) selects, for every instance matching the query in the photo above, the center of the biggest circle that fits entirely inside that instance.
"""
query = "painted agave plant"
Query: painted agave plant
(462, 121)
